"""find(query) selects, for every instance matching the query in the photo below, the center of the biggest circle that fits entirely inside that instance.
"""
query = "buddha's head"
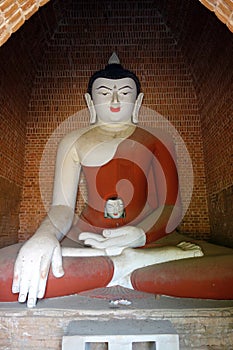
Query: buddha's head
(114, 94)
(114, 208)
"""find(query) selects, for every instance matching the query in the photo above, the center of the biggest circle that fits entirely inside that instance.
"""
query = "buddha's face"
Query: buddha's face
(114, 208)
(114, 100)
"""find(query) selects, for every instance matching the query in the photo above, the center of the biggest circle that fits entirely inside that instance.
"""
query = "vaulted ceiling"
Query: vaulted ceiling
(27, 27)
(13, 14)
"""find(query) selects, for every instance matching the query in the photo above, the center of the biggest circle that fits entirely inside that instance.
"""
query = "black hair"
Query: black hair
(114, 71)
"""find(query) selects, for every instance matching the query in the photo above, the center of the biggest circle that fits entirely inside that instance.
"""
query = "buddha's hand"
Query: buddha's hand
(32, 267)
(114, 241)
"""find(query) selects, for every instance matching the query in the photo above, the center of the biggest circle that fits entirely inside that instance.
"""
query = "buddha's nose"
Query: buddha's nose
(115, 97)
(115, 209)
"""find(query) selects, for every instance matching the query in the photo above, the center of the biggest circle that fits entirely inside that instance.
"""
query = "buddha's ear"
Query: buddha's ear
(91, 108)
(136, 109)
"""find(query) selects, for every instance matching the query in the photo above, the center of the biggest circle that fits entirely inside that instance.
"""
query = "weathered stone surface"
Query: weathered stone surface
(201, 324)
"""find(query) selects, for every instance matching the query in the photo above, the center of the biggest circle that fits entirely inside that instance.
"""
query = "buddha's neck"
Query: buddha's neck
(116, 127)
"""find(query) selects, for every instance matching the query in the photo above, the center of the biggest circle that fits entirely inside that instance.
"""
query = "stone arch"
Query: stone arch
(13, 14)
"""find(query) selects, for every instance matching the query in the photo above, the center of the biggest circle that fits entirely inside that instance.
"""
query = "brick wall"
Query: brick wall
(209, 56)
(217, 130)
(84, 40)
(13, 113)
(19, 58)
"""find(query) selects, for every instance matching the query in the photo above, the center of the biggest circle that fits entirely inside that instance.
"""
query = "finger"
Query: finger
(114, 233)
(42, 287)
(44, 271)
(86, 235)
(23, 280)
(24, 287)
(117, 241)
(15, 285)
(22, 296)
(33, 288)
(94, 243)
(113, 251)
(57, 262)
(29, 282)
(31, 301)
(16, 277)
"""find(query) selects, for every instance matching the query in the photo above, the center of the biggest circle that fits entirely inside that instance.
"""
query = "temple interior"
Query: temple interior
(182, 52)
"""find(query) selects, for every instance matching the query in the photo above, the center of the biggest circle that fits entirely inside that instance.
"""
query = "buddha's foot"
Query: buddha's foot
(190, 250)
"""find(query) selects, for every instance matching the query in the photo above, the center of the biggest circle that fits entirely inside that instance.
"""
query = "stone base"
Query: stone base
(201, 324)
(121, 334)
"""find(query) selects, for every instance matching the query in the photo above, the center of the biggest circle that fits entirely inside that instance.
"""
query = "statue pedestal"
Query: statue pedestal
(121, 334)
(200, 324)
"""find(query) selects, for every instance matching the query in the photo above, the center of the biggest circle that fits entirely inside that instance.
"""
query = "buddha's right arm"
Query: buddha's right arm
(67, 171)
(57, 222)
(43, 248)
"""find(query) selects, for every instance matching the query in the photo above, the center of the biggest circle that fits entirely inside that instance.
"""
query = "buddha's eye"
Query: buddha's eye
(125, 93)
(103, 92)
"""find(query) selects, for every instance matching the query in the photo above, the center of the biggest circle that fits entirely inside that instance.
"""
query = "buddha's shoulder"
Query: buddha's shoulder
(149, 134)
(76, 135)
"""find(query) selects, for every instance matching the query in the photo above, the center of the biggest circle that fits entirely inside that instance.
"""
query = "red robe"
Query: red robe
(142, 173)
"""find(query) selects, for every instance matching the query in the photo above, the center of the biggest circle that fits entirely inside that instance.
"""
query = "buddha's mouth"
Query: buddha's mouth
(115, 109)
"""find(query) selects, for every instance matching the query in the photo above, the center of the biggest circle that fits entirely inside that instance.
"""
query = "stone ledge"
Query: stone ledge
(201, 324)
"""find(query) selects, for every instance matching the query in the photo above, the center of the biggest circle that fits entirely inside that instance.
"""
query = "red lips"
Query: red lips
(112, 109)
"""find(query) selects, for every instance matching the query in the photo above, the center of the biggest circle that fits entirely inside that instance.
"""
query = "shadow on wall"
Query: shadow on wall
(9, 208)
(221, 212)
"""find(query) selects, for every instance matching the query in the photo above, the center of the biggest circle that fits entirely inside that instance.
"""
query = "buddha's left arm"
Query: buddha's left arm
(167, 215)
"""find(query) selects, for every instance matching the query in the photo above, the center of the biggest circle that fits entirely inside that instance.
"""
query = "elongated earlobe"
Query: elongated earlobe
(91, 108)
(136, 109)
